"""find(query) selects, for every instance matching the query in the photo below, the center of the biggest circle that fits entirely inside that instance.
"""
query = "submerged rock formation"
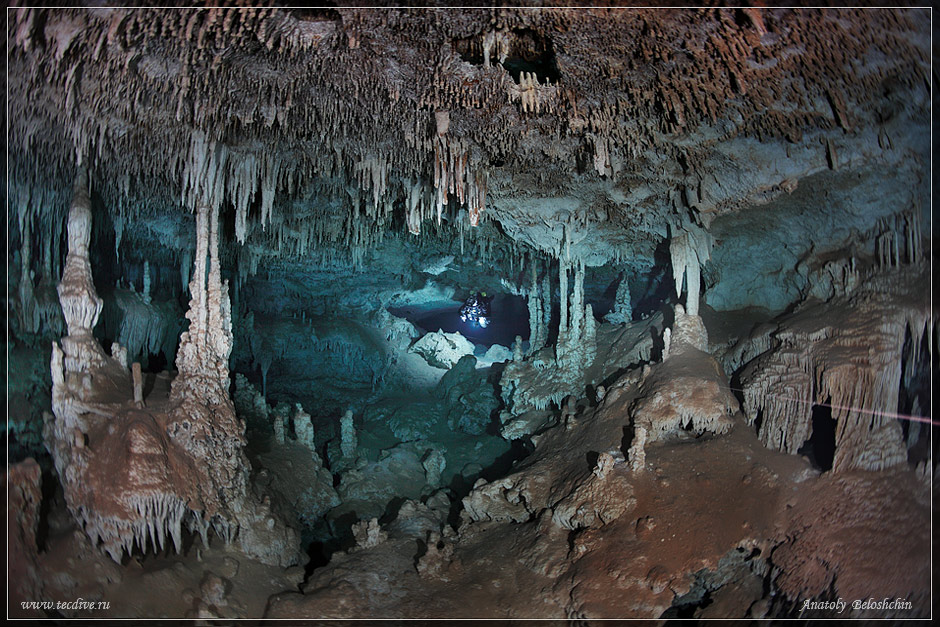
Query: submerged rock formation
(181, 459)
(845, 354)
(442, 350)
(24, 495)
(686, 392)
(703, 235)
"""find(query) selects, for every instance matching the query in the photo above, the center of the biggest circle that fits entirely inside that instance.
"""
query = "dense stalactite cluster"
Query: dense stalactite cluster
(121, 75)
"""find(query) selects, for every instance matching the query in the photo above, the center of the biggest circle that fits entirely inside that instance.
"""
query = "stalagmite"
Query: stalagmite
(368, 533)
(546, 299)
(434, 464)
(348, 441)
(637, 452)
(81, 305)
(278, 416)
(686, 391)
(540, 306)
(562, 294)
(622, 311)
(536, 339)
(138, 385)
(202, 359)
(145, 295)
(590, 336)
(303, 427)
(569, 412)
(202, 419)
(574, 350)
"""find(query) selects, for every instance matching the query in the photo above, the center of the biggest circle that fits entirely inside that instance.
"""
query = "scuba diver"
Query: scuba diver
(476, 309)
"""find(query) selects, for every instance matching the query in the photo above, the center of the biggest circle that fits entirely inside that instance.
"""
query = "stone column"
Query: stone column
(81, 305)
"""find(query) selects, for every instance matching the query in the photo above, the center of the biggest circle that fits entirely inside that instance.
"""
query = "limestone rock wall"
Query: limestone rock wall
(845, 353)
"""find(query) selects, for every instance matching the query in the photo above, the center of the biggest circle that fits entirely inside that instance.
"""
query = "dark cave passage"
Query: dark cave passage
(510, 317)
(914, 398)
(156, 363)
(820, 448)
(528, 51)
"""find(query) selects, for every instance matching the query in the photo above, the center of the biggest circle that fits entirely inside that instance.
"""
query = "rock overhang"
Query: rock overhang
(654, 119)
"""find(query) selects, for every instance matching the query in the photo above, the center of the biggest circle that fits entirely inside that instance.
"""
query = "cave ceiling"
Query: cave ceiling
(593, 132)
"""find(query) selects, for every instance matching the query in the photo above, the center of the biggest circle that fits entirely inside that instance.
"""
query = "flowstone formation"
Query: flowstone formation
(847, 354)
(134, 476)
(142, 326)
(686, 392)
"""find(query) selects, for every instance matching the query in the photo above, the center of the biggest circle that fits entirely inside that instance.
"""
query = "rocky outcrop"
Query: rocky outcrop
(23, 481)
(134, 476)
(468, 400)
(687, 391)
(862, 535)
(846, 354)
(596, 538)
(442, 350)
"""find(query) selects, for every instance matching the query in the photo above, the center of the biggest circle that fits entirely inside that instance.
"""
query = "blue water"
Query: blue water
(510, 317)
